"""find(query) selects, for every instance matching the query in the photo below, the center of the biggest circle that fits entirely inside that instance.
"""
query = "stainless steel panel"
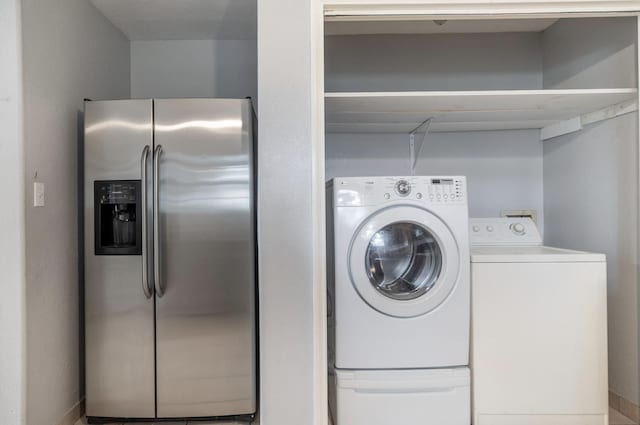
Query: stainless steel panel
(119, 318)
(205, 321)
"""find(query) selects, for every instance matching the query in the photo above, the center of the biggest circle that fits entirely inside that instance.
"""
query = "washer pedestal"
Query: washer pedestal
(387, 397)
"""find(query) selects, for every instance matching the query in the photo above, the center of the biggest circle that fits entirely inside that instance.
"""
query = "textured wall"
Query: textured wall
(591, 198)
(503, 168)
(70, 52)
(194, 68)
(291, 213)
(12, 308)
(591, 177)
(434, 62)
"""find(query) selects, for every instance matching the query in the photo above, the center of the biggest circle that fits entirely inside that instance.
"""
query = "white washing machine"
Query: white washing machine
(399, 300)
(539, 329)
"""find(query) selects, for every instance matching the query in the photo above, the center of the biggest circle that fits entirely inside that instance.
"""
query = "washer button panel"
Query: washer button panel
(437, 190)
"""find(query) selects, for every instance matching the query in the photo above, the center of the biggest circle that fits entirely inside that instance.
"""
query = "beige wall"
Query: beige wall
(70, 52)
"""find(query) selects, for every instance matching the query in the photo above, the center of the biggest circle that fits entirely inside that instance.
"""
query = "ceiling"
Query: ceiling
(182, 19)
(344, 27)
(237, 20)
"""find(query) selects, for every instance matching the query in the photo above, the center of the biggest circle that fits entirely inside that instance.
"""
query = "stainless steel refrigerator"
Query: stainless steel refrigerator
(169, 223)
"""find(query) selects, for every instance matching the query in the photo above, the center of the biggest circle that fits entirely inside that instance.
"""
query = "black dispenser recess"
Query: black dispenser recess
(118, 213)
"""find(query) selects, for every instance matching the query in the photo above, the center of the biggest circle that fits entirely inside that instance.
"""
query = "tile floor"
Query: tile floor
(615, 418)
(83, 421)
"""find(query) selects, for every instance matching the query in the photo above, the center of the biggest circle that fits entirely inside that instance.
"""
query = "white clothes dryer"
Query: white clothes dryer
(399, 290)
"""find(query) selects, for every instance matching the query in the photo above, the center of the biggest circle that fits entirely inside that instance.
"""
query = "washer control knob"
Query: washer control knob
(387, 196)
(419, 195)
(403, 188)
(476, 228)
(489, 228)
(518, 228)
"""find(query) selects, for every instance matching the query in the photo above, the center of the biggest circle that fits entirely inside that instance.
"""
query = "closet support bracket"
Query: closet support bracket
(576, 124)
(416, 148)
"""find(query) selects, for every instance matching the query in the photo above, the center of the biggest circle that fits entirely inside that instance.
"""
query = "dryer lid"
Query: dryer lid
(531, 254)
(517, 240)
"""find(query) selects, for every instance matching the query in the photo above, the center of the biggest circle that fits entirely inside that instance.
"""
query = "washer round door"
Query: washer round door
(404, 261)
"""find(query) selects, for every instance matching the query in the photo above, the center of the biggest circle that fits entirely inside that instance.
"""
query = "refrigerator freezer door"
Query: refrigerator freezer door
(205, 316)
(119, 327)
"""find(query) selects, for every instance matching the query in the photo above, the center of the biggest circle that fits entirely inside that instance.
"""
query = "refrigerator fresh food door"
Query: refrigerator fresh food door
(119, 316)
(204, 268)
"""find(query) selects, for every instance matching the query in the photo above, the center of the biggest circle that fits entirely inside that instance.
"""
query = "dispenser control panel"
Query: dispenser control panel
(117, 192)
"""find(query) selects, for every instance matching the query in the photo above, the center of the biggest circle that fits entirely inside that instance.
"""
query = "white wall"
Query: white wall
(434, 62)
(194, 68)
(590, 53)
(12, 282)
(290, 221)
(70, 52)
(503, 168)
(590, 177)
(591, 198)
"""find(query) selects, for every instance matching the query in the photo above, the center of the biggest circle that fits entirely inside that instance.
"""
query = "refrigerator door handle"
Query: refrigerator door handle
(156, 222)
(146, 288)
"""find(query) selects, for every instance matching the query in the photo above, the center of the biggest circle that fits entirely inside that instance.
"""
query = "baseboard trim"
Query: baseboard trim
(624, 406)
(73, 415)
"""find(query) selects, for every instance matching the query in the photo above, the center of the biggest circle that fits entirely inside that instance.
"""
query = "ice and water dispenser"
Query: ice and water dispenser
(118, 213)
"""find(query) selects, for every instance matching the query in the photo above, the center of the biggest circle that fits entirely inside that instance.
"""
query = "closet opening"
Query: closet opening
(539, 115)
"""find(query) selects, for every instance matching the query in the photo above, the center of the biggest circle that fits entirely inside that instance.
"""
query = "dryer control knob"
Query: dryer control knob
(489, 228)
(518, 228)
(476, 228)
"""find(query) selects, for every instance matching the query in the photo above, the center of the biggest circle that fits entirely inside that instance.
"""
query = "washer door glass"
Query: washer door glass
(403, 261)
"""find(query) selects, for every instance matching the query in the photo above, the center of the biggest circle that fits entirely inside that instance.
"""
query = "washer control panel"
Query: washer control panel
(360, 191)
(504, 231)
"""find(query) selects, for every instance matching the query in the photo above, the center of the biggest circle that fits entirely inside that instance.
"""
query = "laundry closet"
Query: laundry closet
(540, 115)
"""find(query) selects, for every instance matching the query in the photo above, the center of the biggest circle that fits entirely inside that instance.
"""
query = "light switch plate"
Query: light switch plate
(38, 194)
